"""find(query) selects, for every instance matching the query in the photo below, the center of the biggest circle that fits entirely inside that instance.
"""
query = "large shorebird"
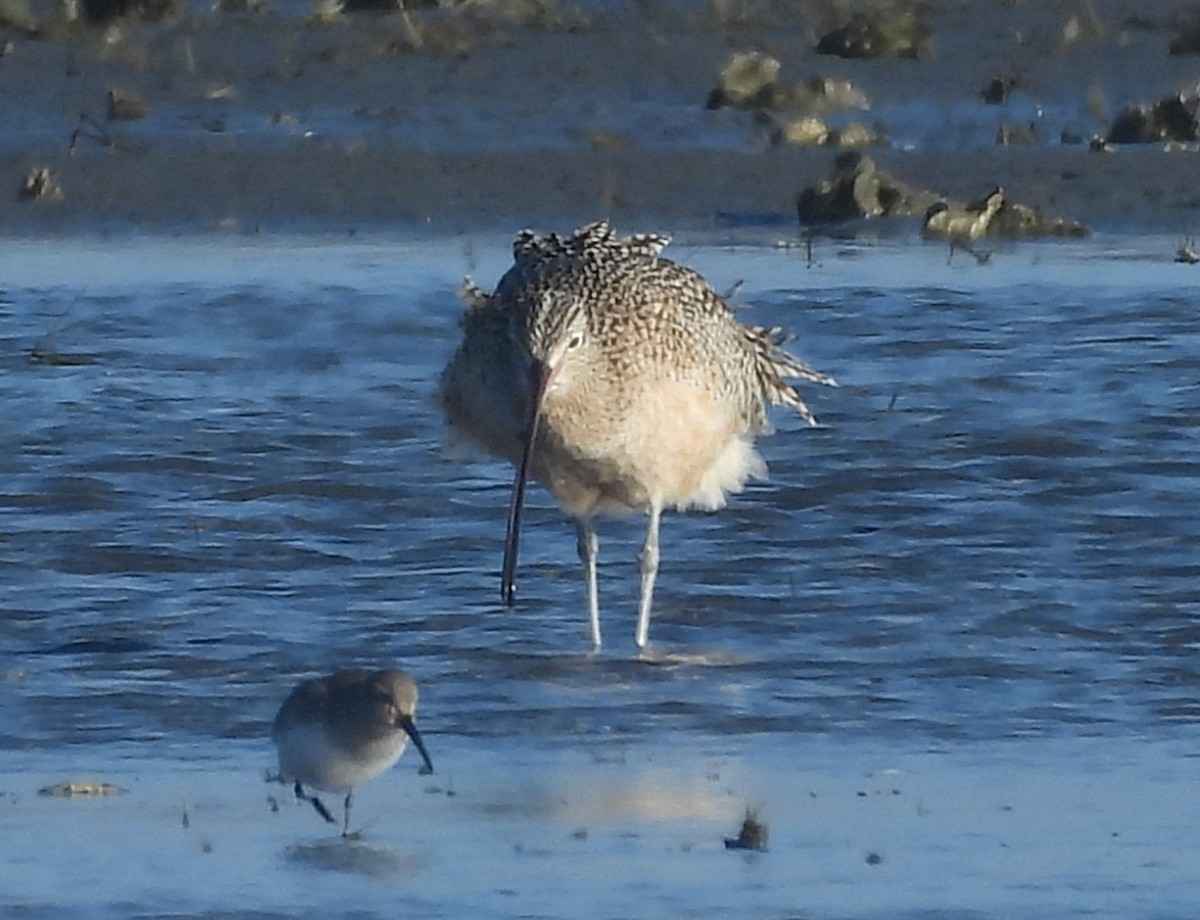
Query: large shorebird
(621, 381)
(334, 733)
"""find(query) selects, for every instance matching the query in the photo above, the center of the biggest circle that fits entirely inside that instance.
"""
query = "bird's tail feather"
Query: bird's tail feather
(776, 366)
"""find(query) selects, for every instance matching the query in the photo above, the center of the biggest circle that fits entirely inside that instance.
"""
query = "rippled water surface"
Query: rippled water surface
(951, 649)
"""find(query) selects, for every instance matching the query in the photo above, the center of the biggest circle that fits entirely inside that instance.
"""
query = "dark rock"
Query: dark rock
(884, 33)
(751, 81)
(124, 106)
(1186, 39)
(1020, 221)
(103, 11)
(1008, 135)
(40, 184)
(15, 15)
(998, 89)
(1172, 118)
(857, 190)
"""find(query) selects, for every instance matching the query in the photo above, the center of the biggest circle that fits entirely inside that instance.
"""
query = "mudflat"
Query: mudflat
(478, 114)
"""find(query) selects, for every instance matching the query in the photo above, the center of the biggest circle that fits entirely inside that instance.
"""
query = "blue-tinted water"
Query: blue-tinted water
(958, 629)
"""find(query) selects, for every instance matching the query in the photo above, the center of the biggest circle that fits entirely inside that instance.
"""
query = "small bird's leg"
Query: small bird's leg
(589, 545)
(649, 565)
(316, 803)
(346, 813)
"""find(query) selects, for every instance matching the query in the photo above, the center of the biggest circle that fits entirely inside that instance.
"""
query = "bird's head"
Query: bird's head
(395, 694)
(558, 342)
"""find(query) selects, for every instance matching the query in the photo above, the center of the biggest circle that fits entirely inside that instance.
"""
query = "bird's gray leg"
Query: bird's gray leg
(649, 564)
(346, 813)
(589, 545)
(316, 803)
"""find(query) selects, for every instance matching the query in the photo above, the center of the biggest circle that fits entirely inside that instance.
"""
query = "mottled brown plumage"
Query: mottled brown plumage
(640, 388)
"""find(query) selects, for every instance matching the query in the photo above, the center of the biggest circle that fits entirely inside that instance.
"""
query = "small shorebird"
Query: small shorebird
(335, 733)
(961, 224)
(621, 381)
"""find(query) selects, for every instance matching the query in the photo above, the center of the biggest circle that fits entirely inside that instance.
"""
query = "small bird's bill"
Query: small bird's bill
(410, 728)
(539, 380)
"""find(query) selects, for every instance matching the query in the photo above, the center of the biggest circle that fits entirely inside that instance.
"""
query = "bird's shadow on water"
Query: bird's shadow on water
(354, 856)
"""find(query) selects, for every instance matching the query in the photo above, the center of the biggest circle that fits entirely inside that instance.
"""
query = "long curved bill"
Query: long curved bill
(539, 380)
(410, 728)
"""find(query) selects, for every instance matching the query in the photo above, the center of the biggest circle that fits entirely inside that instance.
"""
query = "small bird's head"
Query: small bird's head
(394, 696)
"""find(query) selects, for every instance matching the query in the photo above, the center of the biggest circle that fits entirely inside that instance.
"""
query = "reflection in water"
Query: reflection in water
(357, 857)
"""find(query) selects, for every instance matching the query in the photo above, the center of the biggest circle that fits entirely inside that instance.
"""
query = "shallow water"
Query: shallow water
(950, 649)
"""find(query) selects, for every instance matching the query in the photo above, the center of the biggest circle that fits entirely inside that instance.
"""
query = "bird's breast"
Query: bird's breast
(315, 757)
(670, 442)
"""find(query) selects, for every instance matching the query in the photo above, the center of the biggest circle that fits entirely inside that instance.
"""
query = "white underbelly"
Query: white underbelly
(308, 755)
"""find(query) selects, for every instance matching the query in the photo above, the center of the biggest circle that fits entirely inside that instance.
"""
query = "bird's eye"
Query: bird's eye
(575, 341)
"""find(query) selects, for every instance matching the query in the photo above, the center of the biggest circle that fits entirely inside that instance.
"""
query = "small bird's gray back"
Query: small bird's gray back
(334, 733)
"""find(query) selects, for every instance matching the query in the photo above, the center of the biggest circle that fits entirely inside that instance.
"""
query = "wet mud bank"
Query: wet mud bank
(261, 190)
(246, 117)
